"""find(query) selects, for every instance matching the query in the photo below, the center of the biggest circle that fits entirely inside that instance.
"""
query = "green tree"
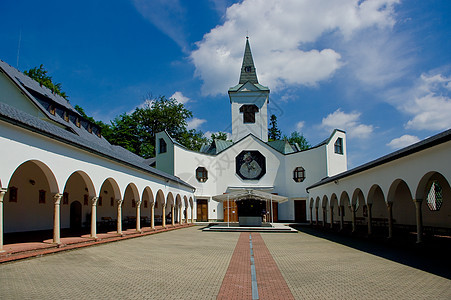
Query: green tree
(273, 131)
(41, 76)
(136, 131)
(219, 136)
(298, 138)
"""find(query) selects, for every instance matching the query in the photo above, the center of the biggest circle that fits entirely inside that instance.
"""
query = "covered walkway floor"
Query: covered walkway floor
(20, 250)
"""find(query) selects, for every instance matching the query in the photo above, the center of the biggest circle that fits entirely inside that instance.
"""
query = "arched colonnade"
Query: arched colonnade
(36, 197)
(417, 205)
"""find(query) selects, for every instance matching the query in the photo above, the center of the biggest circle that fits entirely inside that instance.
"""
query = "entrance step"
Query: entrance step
(273, 227)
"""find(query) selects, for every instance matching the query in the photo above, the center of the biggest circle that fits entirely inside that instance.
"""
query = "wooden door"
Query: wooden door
(275, 211)
(202, 210)
(230, 211)
(299, 211)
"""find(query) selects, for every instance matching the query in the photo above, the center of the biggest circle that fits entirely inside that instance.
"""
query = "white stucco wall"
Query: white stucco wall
(20, 145)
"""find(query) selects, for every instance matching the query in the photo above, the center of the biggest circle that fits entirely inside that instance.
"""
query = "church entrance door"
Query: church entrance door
(230, 211)
(299, 211)
(202, 210)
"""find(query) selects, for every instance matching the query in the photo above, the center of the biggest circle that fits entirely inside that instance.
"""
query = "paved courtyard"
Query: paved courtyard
(191, 264)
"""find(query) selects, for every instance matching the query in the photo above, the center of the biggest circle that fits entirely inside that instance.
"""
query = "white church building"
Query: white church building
(59, 173)
(249, 166)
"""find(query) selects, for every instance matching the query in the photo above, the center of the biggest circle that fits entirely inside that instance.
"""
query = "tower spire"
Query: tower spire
(248, 72)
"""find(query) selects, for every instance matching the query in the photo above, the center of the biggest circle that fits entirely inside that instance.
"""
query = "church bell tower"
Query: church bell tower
(249, 101)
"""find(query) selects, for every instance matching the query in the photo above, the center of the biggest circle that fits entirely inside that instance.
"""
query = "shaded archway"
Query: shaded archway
(178, 209)
(435, 193)
(325, 210)
(170, 209)
(78, 187)
(191, 204)
(334, 211)
(185, 209)
(109, 197)
(379, 213)
(129, 206)
(317, 210)
(403, 207)
(359, 211)
(29, 203)
(147, 207)
(345, 211)
(160, 209)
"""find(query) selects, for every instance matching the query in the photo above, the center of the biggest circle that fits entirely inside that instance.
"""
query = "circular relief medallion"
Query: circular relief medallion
(250, 165)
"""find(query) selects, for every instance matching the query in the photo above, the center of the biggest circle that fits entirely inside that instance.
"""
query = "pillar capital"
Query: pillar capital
(119, 201)
(94, 201)
(138, 202)
(417, 200)
(389, 204)
(57, 198)
(2, 193)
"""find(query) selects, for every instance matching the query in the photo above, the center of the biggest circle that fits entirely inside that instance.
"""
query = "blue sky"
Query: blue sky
(379, 69)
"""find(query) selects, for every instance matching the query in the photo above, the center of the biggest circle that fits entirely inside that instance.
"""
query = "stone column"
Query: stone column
(342, 209)
(119, 216)
(192, 214)
(353, 217)
(138, 216)
(311, 215)
(370, 218)
(173, 215)
(94, 217)
(56, 218)
(390, 219)
(152, 215)
(316, 213)
(324, 216)
(2, 194)
(163, 207)
(331, 217)
(419, 217)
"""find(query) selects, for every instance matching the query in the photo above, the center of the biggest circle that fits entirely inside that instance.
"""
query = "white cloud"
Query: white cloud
(348, 122)
(403, 141)
(282, 40)
(300, 126)
(180, 97)
(195, 123)
(430, 103)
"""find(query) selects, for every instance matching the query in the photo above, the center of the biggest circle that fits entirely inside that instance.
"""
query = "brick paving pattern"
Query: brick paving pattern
(191, 264)
(271, 284)
(316, 268)
(237, 281)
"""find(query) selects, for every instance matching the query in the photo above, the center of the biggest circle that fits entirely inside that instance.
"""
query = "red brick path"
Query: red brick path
(237, 281)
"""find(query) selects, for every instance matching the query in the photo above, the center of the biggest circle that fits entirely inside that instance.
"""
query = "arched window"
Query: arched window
(435, 196)
(299, 174)
(201, 174)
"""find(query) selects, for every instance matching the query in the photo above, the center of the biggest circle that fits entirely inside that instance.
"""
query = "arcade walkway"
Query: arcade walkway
(191, 264)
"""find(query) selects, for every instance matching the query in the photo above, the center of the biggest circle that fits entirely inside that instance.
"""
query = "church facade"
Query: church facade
(249, 162)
